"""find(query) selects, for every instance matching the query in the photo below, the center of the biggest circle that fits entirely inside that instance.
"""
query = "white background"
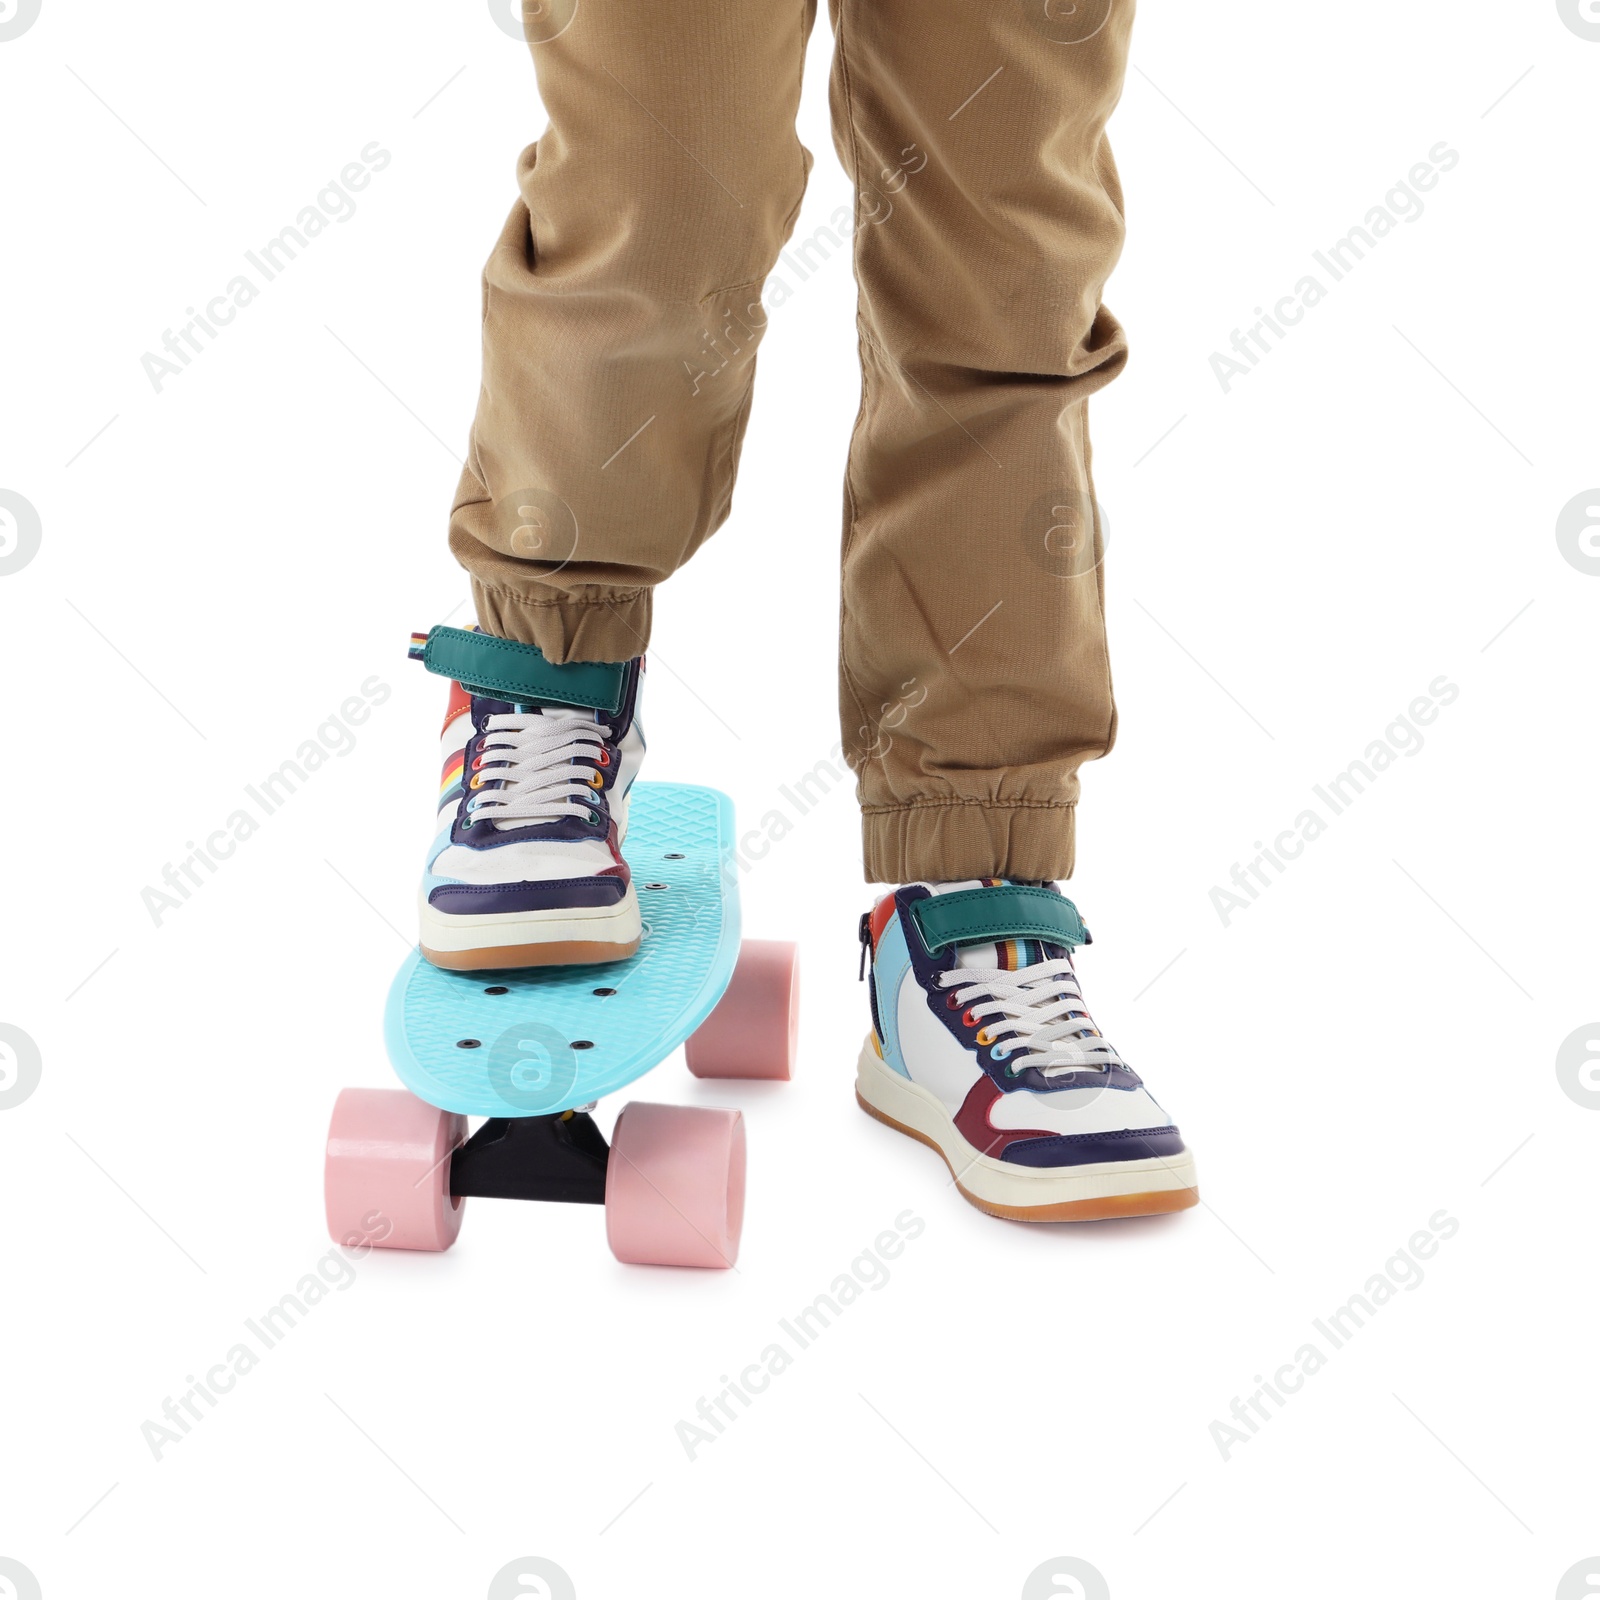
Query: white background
(1373, 1040)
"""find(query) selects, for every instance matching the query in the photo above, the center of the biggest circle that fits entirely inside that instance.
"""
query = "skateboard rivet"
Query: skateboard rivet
(498, 988)
(605, 991)
(583, 1044)
(655, 886)
(468, 1044)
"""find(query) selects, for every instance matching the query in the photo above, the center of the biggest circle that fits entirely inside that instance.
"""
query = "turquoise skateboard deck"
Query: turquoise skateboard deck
(543, 1040)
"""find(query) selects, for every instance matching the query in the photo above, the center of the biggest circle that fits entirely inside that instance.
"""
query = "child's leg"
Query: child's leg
(974, 677)
(621, 311)
(622, 307)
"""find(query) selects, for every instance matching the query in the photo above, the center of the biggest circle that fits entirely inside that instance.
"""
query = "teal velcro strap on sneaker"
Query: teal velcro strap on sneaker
(502, 669)
(971, 916)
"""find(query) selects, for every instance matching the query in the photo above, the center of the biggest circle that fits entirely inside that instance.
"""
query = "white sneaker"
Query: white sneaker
(527, 869)
(982, 1047)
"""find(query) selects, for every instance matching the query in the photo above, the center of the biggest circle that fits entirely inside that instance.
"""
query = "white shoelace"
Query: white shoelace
(1028, 1014)
(529, 755)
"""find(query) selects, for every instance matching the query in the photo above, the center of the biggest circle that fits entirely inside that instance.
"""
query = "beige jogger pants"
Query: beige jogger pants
(627, 285)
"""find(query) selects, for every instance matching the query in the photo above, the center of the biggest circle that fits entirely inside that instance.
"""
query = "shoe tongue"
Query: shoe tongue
(1009, 955)
(543, 709)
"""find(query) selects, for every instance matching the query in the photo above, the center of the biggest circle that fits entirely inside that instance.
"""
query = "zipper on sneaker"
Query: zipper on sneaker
(864, 935)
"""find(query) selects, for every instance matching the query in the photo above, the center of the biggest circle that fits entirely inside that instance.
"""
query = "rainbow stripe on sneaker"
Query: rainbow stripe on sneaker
(451, 778)
(1012, 955)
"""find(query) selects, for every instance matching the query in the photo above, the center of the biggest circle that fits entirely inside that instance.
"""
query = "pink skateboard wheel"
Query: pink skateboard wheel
(675, 1186)
(387, 1177)
(755, 1029)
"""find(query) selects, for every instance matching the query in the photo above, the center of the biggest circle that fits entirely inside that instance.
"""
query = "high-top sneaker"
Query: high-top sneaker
(982, 1047)
(527, 867)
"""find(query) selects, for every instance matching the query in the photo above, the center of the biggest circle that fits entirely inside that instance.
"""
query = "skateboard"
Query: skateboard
(532, 1050)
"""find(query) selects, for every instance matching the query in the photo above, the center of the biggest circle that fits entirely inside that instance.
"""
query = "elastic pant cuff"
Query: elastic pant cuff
(612, 627)
(944, 840)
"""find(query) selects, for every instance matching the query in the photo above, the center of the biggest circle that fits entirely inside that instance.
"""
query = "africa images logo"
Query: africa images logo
(16, 17)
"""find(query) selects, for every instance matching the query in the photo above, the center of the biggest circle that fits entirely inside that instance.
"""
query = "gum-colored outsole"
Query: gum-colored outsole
(1151, 1203)
(499, 958)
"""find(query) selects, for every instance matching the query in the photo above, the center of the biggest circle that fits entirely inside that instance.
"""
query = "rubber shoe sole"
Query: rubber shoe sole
(1095, 1193)
(557, 938)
